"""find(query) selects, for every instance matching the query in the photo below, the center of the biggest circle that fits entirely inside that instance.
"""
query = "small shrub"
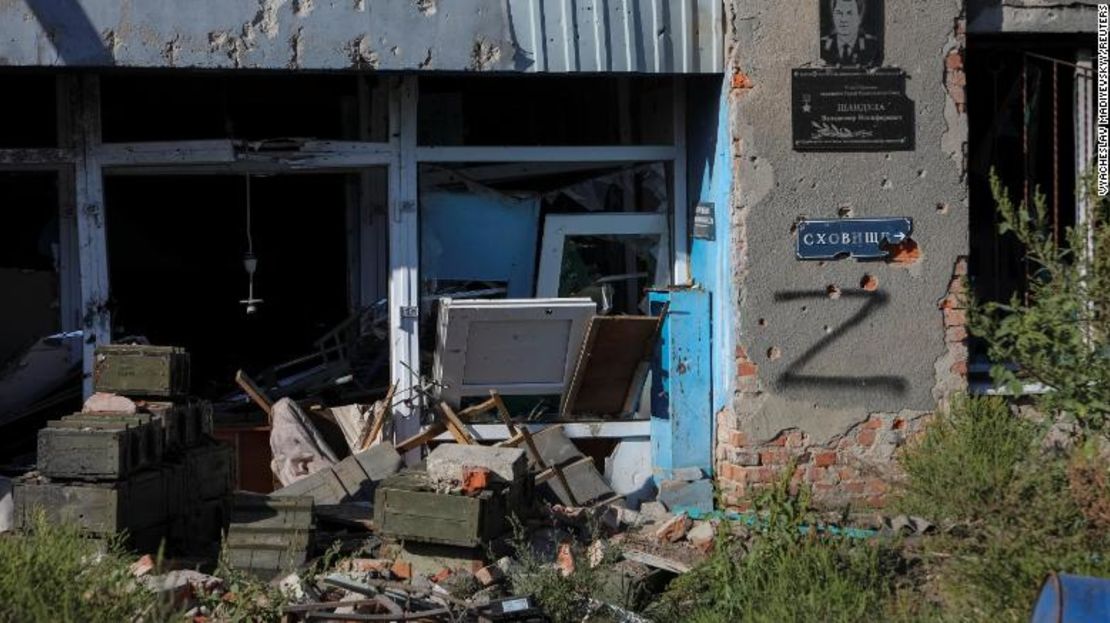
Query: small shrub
(785, 574)
(245, 598)
(966, 457)
(54, 574)
(980, 465)
(1059, 333)
(565, 599)
(993, 573)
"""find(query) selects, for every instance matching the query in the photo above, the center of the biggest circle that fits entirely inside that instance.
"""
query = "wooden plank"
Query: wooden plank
(526, 435)
(657, 562)
(455, 426)
(255, 393)
(374, 431)
(421, 438)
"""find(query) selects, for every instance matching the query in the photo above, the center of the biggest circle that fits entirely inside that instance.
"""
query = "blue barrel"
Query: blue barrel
(1073, 599)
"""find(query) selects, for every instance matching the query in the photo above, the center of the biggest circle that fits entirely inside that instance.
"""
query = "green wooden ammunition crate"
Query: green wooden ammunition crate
(97, 508)
(94, 447)
(139, 370)
(406, 507)
(269, 535)
(208, 471)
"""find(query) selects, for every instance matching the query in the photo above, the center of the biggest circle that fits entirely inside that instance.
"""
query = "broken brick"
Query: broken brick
(489, 575)
(674, 529)
(564, 560)
(824, 459)
(401, 570)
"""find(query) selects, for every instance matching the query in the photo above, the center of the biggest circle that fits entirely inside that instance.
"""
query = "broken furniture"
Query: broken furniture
(516, 346)
(150, 469)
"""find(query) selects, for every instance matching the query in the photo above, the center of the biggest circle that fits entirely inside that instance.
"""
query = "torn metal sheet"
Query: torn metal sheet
(860, 238)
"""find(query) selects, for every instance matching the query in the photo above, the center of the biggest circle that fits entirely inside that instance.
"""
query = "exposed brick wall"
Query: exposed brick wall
(856, 468)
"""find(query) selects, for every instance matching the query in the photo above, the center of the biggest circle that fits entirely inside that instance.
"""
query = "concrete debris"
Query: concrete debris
(489, 575)
(653, 512)
(687, 474)
(904, 525)
(683, 495)
(702, 535)
(142, 566)
(596, 553)
(447, 463)
(564, 559)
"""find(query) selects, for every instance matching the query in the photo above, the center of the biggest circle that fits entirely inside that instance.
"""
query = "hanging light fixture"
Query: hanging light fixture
(250, 262)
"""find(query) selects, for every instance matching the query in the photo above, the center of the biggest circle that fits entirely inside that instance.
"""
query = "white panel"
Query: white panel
(516, 346)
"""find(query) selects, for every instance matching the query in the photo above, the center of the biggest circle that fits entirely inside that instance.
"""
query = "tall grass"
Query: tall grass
(967, 457)
(54, 574)
(979, 466)
(785, 574)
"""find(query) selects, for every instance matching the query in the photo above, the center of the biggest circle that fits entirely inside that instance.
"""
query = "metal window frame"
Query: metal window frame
(558, 227)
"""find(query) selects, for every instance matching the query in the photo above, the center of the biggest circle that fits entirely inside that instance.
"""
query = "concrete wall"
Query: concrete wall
(452, 35)
(838, 361)
(1015, 16)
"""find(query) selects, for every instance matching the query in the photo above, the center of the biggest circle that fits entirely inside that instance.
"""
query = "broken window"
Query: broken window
(177, 249)
(596, 232)
(30, 254)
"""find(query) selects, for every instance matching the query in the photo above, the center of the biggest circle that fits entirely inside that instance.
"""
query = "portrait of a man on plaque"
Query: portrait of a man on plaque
(852, 32)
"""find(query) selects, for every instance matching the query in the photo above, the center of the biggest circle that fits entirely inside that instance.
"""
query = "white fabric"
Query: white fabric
(298, 448)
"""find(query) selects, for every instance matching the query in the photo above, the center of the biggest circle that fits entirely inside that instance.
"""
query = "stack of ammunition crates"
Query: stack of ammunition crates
(155, 473)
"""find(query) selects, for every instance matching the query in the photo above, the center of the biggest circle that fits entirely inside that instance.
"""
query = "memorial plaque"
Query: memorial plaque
(861, 238)
(852, 110)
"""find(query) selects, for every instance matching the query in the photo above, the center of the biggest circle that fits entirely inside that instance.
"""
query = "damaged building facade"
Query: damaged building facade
(799, 188)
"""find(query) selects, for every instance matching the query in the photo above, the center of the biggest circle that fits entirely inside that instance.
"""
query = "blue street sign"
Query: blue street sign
(861, 238)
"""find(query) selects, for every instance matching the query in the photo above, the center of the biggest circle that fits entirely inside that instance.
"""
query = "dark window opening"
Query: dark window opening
(29, 110)
(1021, 124)
(29, 257)
(167, 106)
(529, 110)
(1022, 114)
(176, 248)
